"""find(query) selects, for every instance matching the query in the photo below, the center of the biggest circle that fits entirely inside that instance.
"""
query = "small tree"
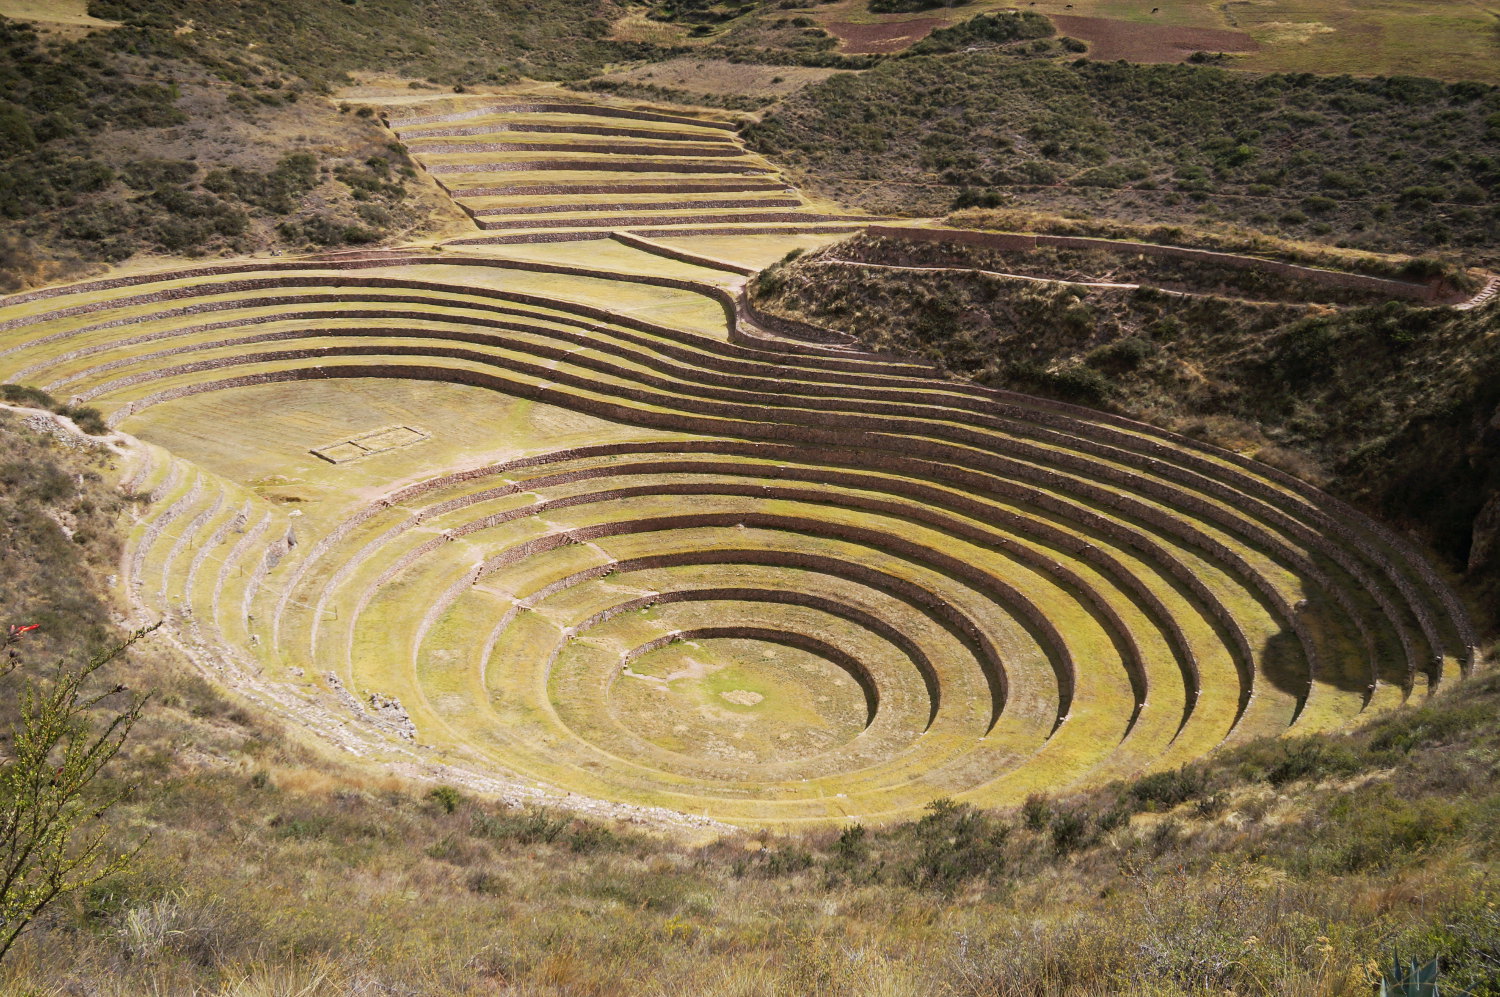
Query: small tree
(52, 838)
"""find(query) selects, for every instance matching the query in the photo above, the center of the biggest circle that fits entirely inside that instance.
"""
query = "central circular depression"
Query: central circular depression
(758, 699)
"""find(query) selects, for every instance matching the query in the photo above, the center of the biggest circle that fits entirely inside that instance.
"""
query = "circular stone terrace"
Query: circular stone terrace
(565, 518)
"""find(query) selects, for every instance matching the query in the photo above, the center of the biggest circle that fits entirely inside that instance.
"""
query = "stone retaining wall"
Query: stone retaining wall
(788, 638)
(644, 187)
(636, 221)
(567, 129)
(718, 150)
(614, 165)
(680, 255)
(591, 110)
(543, 209)
(1417, 604)
(928, 499)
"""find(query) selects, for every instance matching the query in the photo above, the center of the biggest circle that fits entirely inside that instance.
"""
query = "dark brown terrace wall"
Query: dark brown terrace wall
(650, 281)
(1230, 497)
(543, 209)
(594, 110)
(958, 625)
(161, 522)
(1214, 487)
(810, 228)
(498, 127)
(1339, 517)
(1026, 242)
(533, 238)
(655, 233)
(818, 366)
(1332, 513)
(145, 463)
(1118, 476)
(747, 313)
(1427, 624)
(714, 151)
(993, 588)
(1037, 561)
(544, 190)
(636, 221)
(868, 621)
(307, 280)
(597, 166)
(859, 618)
(680, 255)
(1047, 638)
(1105, 563)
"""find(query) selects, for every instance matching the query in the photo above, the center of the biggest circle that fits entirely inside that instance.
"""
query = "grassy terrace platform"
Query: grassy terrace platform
(566, 517)
(545, 172)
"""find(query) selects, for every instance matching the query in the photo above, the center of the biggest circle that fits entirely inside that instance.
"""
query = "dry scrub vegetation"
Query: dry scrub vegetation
(1398, 164)
(1282, 866)
(126, 142)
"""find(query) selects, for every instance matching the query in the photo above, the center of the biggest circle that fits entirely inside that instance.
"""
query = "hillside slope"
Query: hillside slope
(1400, 164)
(128, 143)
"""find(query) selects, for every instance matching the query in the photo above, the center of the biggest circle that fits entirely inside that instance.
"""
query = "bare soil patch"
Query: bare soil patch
(68, 19)
(890, 36)
(1110, 39)
(720, 76)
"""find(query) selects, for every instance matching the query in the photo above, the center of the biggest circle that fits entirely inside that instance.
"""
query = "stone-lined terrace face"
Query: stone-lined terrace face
(562, 171)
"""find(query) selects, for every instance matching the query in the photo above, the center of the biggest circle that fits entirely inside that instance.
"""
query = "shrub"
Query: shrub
(1036, 812)
(1123, 355)
(51, 843)
(1070, 831)
(1279, 762)
(952, 843)
(86, 418)
(25, 394)
(986, 29)
(528, 827)
(1168, 789)
(446, 797)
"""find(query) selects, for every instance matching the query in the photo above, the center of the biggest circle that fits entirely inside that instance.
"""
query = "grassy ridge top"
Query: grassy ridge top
(1398, 163)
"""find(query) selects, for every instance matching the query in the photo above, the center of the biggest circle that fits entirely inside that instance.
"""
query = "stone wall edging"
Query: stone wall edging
(716, 150)
(598, 166)
(559, 107)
